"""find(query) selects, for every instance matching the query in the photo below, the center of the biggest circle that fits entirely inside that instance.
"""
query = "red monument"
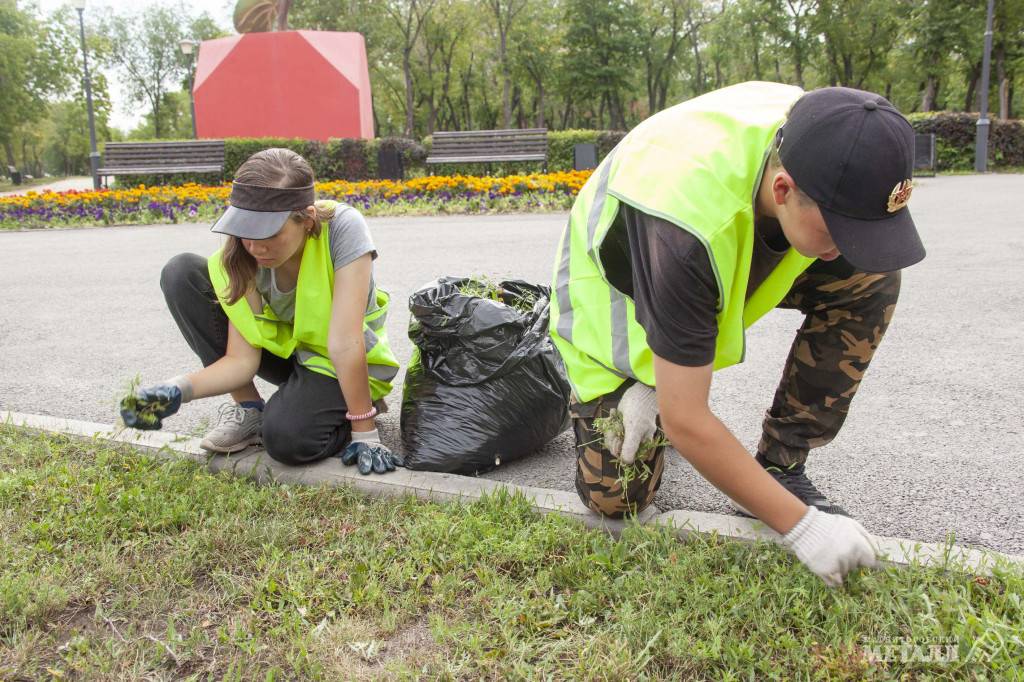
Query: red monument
(308, 84)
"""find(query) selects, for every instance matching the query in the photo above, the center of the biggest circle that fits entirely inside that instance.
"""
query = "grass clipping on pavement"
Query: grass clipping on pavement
(116, 565)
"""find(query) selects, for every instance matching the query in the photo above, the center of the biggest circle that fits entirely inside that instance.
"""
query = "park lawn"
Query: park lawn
(118, 565)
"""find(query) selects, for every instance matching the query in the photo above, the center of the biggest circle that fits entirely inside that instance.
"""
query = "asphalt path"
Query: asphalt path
(934, 443)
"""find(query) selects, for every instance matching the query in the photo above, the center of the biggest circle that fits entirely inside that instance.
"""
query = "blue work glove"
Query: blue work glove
(369, 454)
(147, 409)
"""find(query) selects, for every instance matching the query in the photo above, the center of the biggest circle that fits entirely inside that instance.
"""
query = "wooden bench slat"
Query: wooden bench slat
(162, 158)
(472, 159)
(155, 170)
(482, 146)
(510, 132)
(163, 145)
(459, 149)
(116, 161)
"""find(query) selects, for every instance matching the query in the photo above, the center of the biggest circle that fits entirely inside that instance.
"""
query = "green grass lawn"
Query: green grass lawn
(115, 565)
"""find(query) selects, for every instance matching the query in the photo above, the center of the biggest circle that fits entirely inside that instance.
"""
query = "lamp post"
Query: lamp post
(94, 156)
(981, 139)
(188, 48)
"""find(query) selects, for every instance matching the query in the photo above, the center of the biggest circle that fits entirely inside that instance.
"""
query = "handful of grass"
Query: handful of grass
(613, 426)
(147, 411)
(485, 287)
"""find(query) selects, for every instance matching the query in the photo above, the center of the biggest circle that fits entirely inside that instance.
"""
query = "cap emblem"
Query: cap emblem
(900, 195)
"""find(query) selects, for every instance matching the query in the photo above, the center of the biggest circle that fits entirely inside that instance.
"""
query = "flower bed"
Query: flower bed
(190, 202)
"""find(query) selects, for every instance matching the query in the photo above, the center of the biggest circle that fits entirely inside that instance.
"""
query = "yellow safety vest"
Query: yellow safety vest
(698, 166)
(306, 336)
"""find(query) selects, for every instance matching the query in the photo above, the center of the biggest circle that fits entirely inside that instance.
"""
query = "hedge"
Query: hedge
(356, 159)
(955, 134)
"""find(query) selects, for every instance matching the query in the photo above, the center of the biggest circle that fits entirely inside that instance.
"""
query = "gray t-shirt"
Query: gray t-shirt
(349, 237)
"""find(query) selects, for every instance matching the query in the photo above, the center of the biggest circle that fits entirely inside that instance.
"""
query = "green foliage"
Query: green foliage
(149, 58)
(122, 566)
(955, 138)
(35, 63)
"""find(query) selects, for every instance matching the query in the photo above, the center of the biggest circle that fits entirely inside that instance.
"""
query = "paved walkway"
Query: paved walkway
(934, 443)
(78, 182)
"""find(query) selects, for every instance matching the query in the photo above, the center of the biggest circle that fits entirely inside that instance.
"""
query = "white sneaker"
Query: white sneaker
(237, 428)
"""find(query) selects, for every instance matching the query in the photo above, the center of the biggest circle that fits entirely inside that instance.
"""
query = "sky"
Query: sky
(125, 115)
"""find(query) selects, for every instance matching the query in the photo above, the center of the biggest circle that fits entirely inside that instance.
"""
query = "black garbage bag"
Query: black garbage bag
(485, 384)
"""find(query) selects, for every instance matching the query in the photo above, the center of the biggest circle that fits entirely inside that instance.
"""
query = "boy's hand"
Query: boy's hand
(639, 409)
(830, 546)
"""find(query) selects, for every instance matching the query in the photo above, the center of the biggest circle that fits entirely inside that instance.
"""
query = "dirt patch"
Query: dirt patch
(355, 650)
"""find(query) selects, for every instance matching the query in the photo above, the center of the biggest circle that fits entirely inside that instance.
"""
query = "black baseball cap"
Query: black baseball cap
(258, 212)
(852, 152)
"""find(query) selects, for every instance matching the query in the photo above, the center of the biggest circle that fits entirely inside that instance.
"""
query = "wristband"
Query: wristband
(357, 417)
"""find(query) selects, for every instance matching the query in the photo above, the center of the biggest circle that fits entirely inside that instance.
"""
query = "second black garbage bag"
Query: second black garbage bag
(485, 385)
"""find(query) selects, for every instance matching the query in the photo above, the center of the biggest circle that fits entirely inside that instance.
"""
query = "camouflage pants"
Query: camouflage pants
(602, 484)
(847, 312)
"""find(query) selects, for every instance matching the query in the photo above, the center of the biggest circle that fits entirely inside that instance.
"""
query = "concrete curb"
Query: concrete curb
(256, 465)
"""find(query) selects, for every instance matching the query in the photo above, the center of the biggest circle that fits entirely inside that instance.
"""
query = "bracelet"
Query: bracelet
(357, 417)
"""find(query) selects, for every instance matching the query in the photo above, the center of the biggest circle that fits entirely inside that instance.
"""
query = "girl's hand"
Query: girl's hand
(369, 454)
(148, 407)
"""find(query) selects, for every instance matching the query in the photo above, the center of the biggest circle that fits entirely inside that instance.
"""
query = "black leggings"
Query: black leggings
(304, 421)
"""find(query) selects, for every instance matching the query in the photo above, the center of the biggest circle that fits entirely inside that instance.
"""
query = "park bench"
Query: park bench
(489, 146)
(162, 158)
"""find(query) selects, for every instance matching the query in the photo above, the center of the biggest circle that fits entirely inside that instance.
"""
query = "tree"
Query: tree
(408, 16)
(34, 64)
(601, 38)
(857, 37)
(1007, 50)
(148, 55)
(504, 13)
(662, 26)
(536, 41)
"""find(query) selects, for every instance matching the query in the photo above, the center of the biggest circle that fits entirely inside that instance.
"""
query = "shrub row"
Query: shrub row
(955, 134)
(356, 159)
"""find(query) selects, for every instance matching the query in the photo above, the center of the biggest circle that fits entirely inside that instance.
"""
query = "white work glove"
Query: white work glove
(830, 545)
(639, 409)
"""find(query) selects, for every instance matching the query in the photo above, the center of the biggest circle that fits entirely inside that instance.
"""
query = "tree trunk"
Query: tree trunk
(833, 71)
(699, 71)
(517, 106)
(407, 69)
(1004, 104)
(652, 85)
(282, 14)
(9, 150)
(540, 104)
(757, 56)
(931, 92)
(506, 83)
(970, 101)
(566, 113)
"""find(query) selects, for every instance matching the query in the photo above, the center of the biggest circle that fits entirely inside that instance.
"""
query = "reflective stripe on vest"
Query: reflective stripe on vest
(696, 165)
(306, 336)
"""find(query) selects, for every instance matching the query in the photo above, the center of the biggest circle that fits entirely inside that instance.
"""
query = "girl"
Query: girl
(293, 301)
